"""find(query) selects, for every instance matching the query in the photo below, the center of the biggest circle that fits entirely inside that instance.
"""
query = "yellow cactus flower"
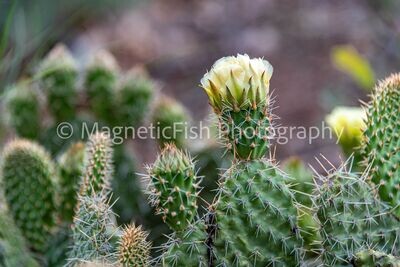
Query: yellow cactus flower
(237, 82)
(348, 124)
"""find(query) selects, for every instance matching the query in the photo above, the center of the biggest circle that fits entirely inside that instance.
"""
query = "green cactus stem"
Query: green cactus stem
(58, 74)
(174, 187)
(27, 176)
(371, 258)
(100, 85)
(381, 142)
(134, 249)
(70, 166)
(23, 110)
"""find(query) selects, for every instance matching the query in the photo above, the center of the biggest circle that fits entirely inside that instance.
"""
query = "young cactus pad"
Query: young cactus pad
(174, 187)
(27, 176)
(371, 258)
(71, 166)
(381, 143)
(58, 73)
(256, 217)
(237, 88)
(23, 110)
(171, 120)
(351, 218)
(134, 249)
(98, 164)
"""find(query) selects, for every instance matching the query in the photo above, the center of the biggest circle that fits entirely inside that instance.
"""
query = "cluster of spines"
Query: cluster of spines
(174, 187)
(371, 258)
(70, 167)
(351, 218)
(171, 120)
(98, 164)
(255, 207)
(133, 248)
(58, 74)
(381, 142)
(28, 178)
(23, 110)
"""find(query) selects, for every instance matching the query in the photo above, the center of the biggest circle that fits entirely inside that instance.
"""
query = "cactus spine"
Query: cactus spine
(58, 74)
(351, 218)
(100, 83)
(70, 165)
(134, 249)
(371, 258)
(170, 119)
(27, 175)
(23, 110)
(174, 187)
(381, 143)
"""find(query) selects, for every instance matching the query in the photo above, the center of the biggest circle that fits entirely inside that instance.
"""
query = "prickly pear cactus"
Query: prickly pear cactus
(189, 248)
(371, 258)
(13, 248)
(100, 85)
(174, 187)
(133, 98)
(23, 110)
(93, 231)
(256, 217)
(351, 218)
(171, 120)
(381, 143)
(27, 176)
(98, 164)
(133, 248)
(70, 166)
(58, 74)
(237, 88)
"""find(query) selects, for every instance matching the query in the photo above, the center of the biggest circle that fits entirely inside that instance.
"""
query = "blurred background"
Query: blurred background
(324, 53)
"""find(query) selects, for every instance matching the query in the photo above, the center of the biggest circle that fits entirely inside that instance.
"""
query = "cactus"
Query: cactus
(371, 258)
(381, 142)
(174, 187)
(237, 88)
(133, 98)
(100, 84)
(93, 230)
(58, 75)
(13, 249)
(171, 120)
(27, 174)
(98, 165)
(351, 218)
(70, 165)
(134, 249)
(23, 110)
(254, 208)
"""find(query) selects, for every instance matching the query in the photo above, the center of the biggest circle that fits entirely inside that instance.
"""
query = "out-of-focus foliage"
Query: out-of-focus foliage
(347, 59)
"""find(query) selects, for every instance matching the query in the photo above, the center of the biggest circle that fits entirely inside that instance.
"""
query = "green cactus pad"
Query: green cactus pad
(134, 249)
(174, 187)
(100, 85)
(23, 110)
(371, 258)
(27, 175)
(93, 230)
(351, 218)
(256, 218)
(171, 121)
(381, 143)
(58, 74)
(98, 164)
(70, 166)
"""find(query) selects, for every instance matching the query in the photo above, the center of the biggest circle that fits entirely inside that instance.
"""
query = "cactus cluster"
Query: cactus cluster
(262, 214)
